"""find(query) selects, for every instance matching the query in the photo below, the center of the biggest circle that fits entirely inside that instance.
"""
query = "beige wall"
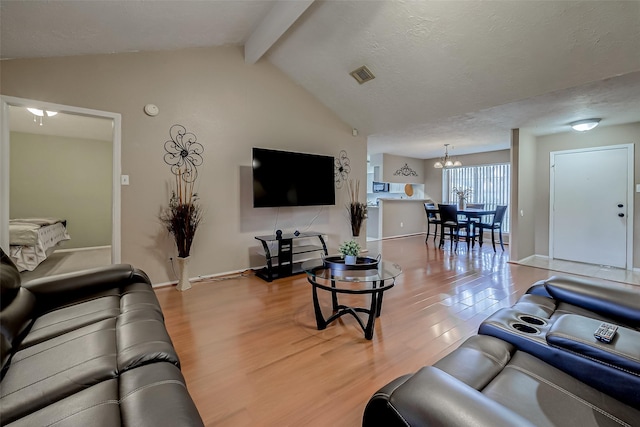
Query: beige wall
(598, 137)
(392, 164)
(523, 187)
(67, 178)
(231, 106)
(433, 176)
(409, 213)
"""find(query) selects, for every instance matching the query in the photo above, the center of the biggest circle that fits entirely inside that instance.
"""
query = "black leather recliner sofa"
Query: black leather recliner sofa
(534, 364)
(88, 349)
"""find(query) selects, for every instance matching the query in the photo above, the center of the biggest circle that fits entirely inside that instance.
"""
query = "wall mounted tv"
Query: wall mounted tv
(284, 178)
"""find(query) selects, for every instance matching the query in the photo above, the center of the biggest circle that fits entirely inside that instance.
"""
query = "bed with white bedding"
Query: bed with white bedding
(32, 240)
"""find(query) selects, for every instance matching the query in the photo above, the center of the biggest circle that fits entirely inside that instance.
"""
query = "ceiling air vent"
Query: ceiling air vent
(362, 74)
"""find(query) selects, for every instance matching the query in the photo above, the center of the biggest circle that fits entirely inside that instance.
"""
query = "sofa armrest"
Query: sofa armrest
(575, 334)
(538, 288)
(59, 289)
(432, 397)
(614, 301)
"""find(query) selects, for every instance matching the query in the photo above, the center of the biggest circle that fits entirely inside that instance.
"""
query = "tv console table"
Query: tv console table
(285, 251)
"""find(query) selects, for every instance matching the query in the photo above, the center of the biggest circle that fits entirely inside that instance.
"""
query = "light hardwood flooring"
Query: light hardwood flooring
(252, 356)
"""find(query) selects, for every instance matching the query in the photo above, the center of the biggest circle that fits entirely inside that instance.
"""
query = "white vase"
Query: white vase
(350, 259)
(183, 271)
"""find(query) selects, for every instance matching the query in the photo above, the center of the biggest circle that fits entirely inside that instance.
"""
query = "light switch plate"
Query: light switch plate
(637, 188)
(124, 179)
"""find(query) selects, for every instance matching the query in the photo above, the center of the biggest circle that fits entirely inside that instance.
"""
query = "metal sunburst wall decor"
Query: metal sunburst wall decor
(342, 168)
(405, 171)
(183, 153)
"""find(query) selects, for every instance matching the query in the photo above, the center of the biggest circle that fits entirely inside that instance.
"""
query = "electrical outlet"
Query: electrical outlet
(401, 224)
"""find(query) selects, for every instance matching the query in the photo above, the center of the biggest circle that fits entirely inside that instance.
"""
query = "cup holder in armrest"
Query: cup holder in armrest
(532, 320)
(525, 328)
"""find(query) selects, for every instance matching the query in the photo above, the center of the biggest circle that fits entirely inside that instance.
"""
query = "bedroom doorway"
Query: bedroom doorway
(65, 137)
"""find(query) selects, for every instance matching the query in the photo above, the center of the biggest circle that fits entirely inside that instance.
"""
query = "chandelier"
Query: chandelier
(446, 162)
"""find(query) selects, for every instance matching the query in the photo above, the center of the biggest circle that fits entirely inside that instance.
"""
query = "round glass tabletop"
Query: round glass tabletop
(383, 271)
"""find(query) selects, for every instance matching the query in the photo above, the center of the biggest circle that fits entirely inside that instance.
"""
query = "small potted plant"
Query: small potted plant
(350, 250)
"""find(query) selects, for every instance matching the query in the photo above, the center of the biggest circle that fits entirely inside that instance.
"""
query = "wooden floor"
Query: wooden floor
(252, 356)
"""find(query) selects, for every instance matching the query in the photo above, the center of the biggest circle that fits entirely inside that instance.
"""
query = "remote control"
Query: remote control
(605, 332)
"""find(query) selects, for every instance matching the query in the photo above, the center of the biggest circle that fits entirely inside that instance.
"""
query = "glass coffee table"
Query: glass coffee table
(373, 279)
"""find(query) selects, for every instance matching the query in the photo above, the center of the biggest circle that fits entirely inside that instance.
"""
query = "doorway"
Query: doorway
(591, 206)
(11, 103)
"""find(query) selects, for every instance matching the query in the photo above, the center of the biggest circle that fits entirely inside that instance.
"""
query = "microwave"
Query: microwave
(380, 187)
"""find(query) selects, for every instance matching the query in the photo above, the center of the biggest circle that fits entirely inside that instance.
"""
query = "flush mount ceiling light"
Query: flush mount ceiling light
(446, 162)
(584, 125)
(40, 113)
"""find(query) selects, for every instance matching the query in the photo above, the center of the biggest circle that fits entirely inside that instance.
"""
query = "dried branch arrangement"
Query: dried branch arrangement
(357, 210)
(183, 215)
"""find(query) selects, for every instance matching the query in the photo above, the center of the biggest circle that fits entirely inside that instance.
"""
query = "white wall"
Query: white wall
(230, 106)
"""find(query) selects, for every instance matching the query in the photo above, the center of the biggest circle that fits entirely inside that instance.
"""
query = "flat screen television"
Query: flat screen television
(285, 178)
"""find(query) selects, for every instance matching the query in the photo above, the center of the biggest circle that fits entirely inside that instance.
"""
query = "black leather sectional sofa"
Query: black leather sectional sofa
(534, 364)
(88, 349)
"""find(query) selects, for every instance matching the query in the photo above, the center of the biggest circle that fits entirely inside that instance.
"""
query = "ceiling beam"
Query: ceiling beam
(281, 16)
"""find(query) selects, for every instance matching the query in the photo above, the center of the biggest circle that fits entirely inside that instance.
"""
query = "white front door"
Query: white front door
(590, 212)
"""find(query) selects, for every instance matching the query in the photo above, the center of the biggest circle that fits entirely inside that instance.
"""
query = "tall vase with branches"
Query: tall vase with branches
(181, 219)
(357, 210)
(183, 215)
(184, 154)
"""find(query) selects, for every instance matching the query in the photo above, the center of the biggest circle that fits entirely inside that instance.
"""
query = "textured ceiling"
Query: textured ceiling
(460, 72)
(36, 28)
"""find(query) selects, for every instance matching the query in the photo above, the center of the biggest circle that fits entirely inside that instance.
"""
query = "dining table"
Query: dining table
(470, 215)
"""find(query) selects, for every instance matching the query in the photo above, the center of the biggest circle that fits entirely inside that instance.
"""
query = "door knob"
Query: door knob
(620, 205)
(620, 215)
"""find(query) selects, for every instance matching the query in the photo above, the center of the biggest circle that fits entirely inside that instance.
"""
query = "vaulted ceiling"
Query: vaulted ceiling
(458, 72)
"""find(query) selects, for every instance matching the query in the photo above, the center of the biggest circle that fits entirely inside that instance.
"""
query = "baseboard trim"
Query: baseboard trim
(88, 248)
(531, 258)
(401, 235)
(197, 279)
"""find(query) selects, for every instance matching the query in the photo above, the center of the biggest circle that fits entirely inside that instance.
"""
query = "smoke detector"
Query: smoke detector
(362, 74)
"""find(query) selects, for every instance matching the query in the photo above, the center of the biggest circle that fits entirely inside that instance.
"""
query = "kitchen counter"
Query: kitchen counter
(406, 199)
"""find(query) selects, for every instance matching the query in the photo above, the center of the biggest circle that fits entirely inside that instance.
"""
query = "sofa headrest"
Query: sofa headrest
(9, 279)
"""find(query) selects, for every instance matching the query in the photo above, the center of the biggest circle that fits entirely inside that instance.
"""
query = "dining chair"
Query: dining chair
(457, 229)
(432, 218)
(496, 224)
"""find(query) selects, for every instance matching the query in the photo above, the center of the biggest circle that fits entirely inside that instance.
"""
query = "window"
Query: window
(489, 184)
